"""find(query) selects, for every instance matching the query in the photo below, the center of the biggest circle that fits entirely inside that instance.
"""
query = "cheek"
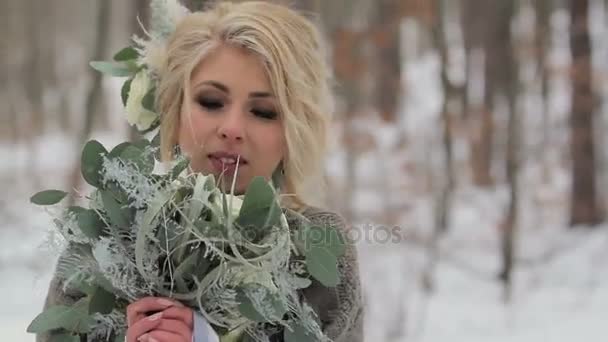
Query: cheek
(272, 146)
(193, 132)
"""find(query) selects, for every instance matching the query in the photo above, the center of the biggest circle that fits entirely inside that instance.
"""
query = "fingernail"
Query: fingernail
(165, 302)
(152, 339)
(155, 317)
(143, 338)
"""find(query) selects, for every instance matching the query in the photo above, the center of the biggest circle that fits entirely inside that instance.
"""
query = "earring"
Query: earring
(278, 177)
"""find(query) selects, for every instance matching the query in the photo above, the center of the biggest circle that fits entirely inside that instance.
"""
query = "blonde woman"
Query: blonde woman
(248, 83)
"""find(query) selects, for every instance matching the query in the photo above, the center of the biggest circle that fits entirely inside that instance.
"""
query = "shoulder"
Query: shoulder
(324, 217)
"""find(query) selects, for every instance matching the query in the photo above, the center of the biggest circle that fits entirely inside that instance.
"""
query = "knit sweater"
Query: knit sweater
(339, 308)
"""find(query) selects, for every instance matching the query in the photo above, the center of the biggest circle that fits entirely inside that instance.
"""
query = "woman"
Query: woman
(247, 84)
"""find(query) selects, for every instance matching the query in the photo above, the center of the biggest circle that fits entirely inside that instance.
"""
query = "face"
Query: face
(233, 117)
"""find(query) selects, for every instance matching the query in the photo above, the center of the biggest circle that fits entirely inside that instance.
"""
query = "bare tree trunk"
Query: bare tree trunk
(349, 66)
(511, 90)
(386, 64)
(443, 201)
(480, 21)
(584, 208)
(95, 94)
(544, 9)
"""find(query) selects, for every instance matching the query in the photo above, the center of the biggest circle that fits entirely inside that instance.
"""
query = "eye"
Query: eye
(210, 104)
(265, 114)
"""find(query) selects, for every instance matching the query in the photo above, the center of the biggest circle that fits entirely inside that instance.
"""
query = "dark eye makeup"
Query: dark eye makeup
(213, 104)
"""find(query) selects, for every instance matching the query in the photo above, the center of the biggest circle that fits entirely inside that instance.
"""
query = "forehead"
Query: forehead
(233, 66)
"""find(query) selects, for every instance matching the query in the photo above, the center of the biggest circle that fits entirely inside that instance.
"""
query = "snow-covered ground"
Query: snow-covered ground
(560, 294)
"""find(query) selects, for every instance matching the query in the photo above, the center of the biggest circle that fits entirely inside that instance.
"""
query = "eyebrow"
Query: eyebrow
(225, 89)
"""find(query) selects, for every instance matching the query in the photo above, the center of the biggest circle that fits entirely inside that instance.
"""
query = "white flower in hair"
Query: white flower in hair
(137, 115)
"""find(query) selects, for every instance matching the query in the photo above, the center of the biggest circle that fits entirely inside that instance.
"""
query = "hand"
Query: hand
(171, 321)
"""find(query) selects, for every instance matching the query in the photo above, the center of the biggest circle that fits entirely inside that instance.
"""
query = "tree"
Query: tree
(584, 208)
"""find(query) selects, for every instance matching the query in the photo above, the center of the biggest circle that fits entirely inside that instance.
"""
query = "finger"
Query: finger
(182, 314)
(138, 309)
(175, 326)
(162, 336)
(143, 326)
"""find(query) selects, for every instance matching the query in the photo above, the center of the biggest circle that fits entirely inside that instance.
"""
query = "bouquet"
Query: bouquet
(175, 234)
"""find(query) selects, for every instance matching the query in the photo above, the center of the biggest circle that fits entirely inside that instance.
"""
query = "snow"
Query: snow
(560, 294)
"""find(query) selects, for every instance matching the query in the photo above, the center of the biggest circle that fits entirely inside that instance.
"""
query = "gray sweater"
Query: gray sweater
(340, 308)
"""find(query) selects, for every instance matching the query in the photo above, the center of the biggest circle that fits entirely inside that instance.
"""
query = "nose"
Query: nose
(232, 127)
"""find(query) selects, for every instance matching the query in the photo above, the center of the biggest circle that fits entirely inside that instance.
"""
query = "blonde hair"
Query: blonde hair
(294, 57)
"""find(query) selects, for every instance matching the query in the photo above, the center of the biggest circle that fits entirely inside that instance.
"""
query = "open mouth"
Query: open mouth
(226, 162)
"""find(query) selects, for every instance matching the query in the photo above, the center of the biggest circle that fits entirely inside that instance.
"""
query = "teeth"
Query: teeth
(228, 160)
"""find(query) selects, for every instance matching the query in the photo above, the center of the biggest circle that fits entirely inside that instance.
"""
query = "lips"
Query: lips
(226, 162)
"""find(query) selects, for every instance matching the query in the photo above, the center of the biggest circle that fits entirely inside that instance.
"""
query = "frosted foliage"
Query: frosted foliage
(117, 266)
(69, 229)
(139, 188)
(106, 325)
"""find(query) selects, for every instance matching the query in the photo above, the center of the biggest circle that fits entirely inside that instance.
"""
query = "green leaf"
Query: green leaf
(141, 159)
(259, 304)
(92, 162)
(146, 228)
(114, 68)
(323, 265)
(64, 338)
(125, 90)
(298, 334)
(71, 318)
(117, 150)
(260, 210)
(126, 54)
(327, 238)
(148, 101)
(102, 301)
(180, 166)
(118, 216)
(120, 338)
(90, 223)
(48, 197)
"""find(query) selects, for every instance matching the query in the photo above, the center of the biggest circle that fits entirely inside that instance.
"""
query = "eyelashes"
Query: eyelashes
(213, 105)
(210, 104)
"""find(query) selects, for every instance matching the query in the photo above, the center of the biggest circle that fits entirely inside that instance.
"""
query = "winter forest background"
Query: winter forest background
(468, 152)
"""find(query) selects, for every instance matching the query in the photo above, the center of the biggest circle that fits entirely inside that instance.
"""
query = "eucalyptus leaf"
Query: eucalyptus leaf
(323, 265)
(259, 304)
(180, 166)
(118, 149)
(90, 223)
(125, 90)
(148, 101)
(298, 333)
(71, 318)
(327, 238)
(92, 162)
(126, 54)
(64, 338)
(146, 228)
(48, 197)
(118, 216)
(101, 301)
(260, 210)
(117, 69)
(142, 160)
